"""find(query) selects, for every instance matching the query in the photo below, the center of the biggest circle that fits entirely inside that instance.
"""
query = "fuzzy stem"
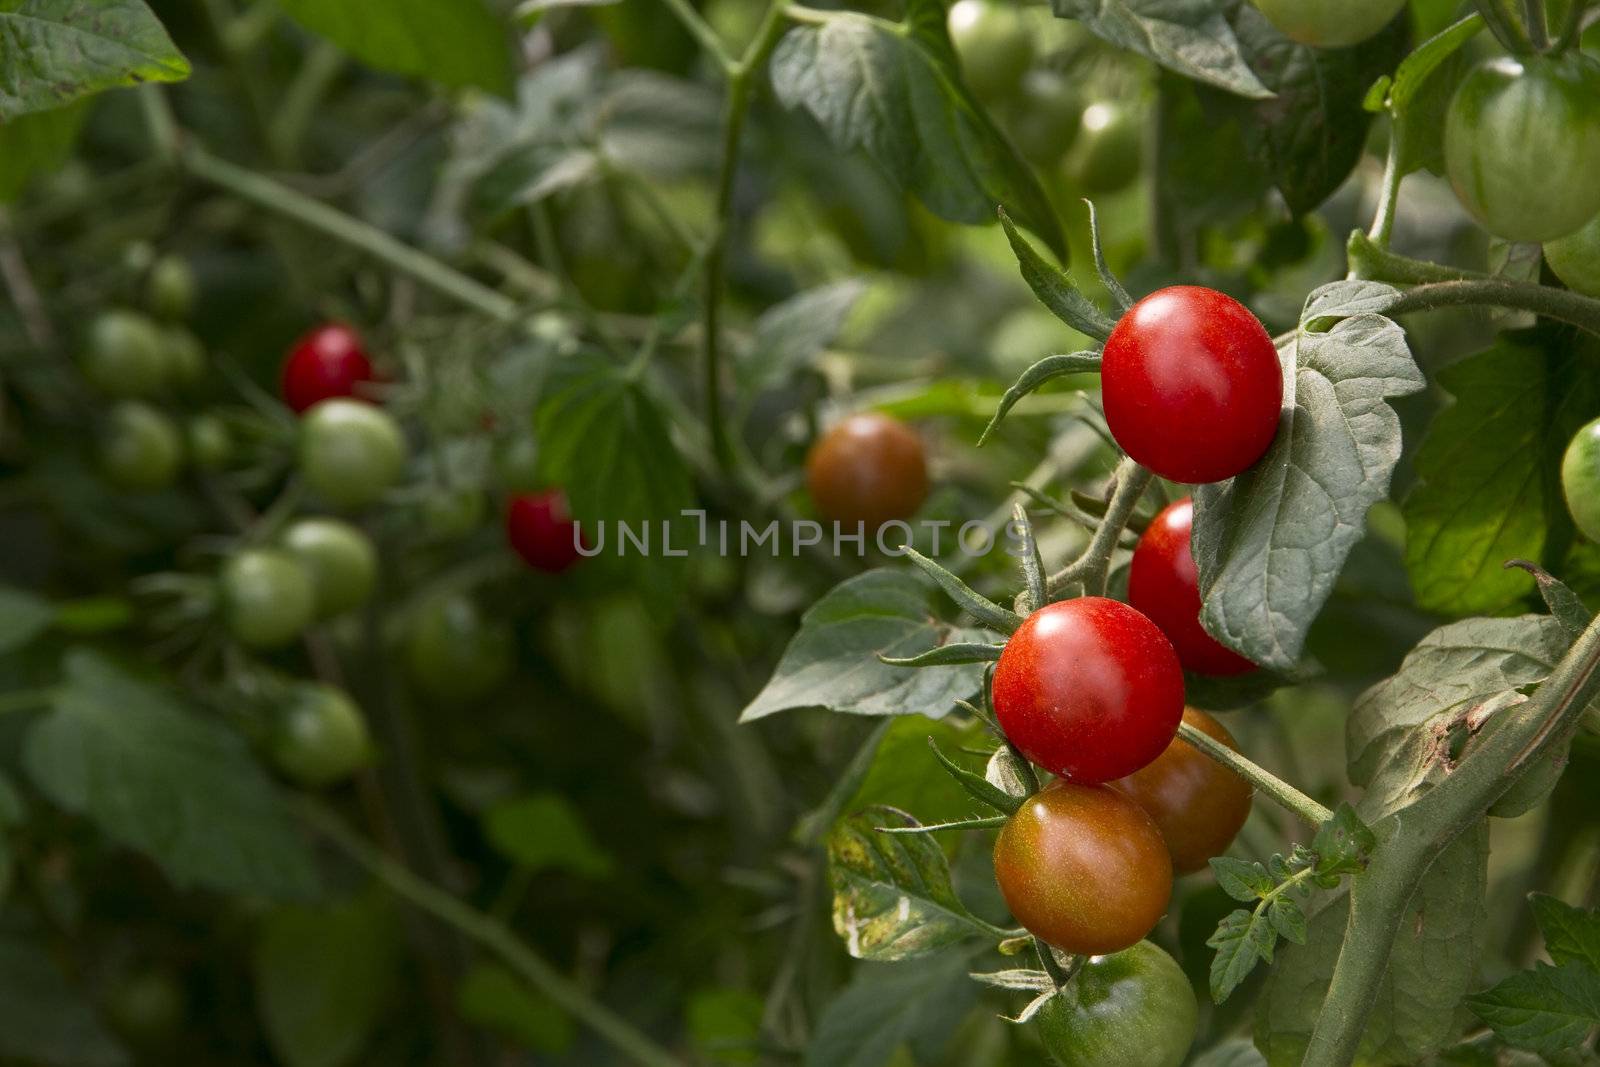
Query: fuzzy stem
(1277, 789)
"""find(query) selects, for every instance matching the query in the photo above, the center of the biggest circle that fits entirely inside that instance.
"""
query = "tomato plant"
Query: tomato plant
(267, 597)
(540, 529)
(320, 737)
(1521, 141)
(341, 560)
(1093, 506)
(994, 45)
(867, 469)
(1084, 868)
(1138, 998)
(350, 452)
(1329, 23)
(1576, 258)
(1164, 584)
(1089, 688)
(1192, 384)
(1199, 804)
(327, 362)
(140, 448)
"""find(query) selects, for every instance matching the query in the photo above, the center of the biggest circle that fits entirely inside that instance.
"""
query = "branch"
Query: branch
(1092, 568)
(492, 935)
(1275, 788)
(279, 198)
(1418, 833)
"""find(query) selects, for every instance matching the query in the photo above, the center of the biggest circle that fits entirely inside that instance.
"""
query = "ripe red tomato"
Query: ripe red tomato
(1083, 868)
(1089, 689)
(1192, 384)
(869, 468)
(1197, 802)
(327, 362)
(541, 530)
(1164, 584)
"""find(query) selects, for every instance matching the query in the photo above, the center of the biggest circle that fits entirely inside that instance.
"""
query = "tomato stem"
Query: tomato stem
(1093, 567)
(1265, 782)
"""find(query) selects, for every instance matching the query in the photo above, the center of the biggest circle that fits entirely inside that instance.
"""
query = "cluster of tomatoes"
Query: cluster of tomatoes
(287, 576)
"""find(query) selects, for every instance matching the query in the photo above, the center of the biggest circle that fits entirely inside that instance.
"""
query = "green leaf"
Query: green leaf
(1488, 470)
(1288, 920)
(946, 655)
(1566, 606)
(36, 143)
(901, 774)
(54, 51)
(323, 976)
(492, 997)
(1393, 731)
(23, 616)
(1417, 1006)
(459, 43)
(977, 785)
(1190, 37)
(543, 832)
(725, 1025)
(966, 598)
(1238, 939)
(1571, 935)
(1241, 879)
(894, 91)
(1343, 843)
(789, 335)
(887, 1006)
(160, 779)
(1047, 369)
(892, 897)
(833, 662)
(43, 1019)
(1055, 289)
(1548, 1009)
(1270, 543)
(1421, 90)
(603, 438)
(1311, 133)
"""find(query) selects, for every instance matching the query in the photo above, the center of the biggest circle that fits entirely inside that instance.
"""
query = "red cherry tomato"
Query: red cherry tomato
(542, 532)
(1089, 689)
(1084, 868)
(1192, 384)
(327, 362)
(1164, 584)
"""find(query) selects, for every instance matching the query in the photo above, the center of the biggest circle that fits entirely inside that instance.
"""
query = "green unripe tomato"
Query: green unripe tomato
(140, 448)
(340, 558)
(210, 442)
(320, 738)
(1329, 23)
(183, 358)
(451, 513)
(992, 40)
(267, 597)
(1046, 117)
(1109, 149)
(1580, 480)
(124, 355)
(169, 288)
(1134, 1006)
(351, 453)
(1522, 145)
(1576, 258)
(454, 654)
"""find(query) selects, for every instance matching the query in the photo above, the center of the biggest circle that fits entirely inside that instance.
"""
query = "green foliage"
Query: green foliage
(459, 43)
(53, 52)
(1550, 1009)
(543, 832)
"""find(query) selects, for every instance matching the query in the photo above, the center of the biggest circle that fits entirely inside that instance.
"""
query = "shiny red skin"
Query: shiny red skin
(1192, 384)
(1164, 584)
(327, 362)
(1089, 689)
(541, 530)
